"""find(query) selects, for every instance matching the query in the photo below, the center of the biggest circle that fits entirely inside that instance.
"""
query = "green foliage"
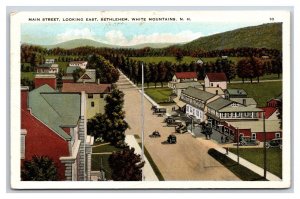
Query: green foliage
(126, 165)
(77, 74)
(59, 81)
(159, 95)
(27, 82)
(39, 168)
(111, 126)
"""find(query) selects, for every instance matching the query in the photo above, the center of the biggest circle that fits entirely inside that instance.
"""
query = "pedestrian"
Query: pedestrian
(222, 139)
(227, 149)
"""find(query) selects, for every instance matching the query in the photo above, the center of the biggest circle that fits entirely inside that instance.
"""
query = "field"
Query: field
(265, 77)
(159, 95)
(261, 92)
(255, 155)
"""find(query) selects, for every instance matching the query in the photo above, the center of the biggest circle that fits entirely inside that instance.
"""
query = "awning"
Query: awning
(178, 102)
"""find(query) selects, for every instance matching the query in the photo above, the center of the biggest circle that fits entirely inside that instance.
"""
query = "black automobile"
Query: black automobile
(277, 142)
(171, 139)
(155, 134)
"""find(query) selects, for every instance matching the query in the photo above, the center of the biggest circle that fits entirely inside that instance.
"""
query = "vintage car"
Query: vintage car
(171, 139)
(181, 129)
(155, 134)
(277, 142)
(247, 141)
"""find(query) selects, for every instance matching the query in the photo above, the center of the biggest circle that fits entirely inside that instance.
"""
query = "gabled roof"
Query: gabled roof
(90, 75)
(236, 91)
(54, 109)
(46, 65)
(240, 109)
(87, 87)
(219, 103)
(198, 94)
(216, 77)
(186, 75)
(269, 111)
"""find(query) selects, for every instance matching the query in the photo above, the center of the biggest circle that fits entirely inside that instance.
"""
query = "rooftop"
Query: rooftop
(269, 111)
(198, 94)
(236, 91)
(78, 62)
(248, 101)
(48, 65)
(187, 84)
(186, 75)
(219, 103)
(257, 126)
(240, 109)
(71, 69)
(87, 87)
(216, 77)
(55, 109)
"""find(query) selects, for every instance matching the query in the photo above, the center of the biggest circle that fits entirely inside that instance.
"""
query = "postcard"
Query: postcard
(150, 99)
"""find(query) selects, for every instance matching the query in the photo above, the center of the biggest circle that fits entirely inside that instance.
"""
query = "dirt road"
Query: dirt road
(186, 160)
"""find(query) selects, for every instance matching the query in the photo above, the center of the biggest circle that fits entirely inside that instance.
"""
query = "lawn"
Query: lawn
(96, 162)
(159, 95)
(240, 171)
(105, 148)
(255, 155)
(261, 92)
(265, 77)
(29, 75)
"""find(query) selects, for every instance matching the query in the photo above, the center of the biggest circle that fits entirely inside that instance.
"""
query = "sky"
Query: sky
(123, 34)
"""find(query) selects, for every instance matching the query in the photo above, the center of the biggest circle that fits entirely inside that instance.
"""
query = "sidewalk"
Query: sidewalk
(147, 169)
(249, 165)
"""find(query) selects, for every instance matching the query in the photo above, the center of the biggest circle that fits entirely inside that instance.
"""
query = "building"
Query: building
(81, 64)
(196, 102)
(42, 79)
(182, 81)
(275, 102)
(216, 91)
(94, 95)
(270, 113)
(53, 124)
(50, 61)
(235, 93)
(221, 110)
(47, 68)
(215, 80)
(247, 101)
(89, 75)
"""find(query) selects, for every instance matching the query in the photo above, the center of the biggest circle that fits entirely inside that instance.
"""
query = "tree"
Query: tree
(111, 126)
(179, 56)
(126, 165)
(241, 69)
(27, 82)
(39, 168)
(59, 81)
(77, 74)
(258, 67)
(162, 72)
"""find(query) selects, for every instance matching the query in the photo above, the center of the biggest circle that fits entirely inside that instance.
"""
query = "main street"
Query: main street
(186, 160)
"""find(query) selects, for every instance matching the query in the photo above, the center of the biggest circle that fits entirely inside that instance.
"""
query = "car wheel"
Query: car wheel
(267, 145)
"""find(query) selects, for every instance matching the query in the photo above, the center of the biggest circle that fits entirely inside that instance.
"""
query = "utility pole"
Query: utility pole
(142, 118)
(265, 146)
(237, 145)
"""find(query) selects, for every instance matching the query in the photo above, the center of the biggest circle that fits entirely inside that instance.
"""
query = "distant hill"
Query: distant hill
(88, 42)
(262, 36)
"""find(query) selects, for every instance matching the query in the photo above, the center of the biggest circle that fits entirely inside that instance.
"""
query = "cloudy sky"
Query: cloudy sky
(123, 34)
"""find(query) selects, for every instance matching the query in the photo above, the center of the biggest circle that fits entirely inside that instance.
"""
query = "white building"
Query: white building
(215, 80)
(81, 64)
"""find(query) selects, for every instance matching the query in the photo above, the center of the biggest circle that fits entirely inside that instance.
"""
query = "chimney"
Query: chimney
(244, 102)
(24, 97)
(41, 79)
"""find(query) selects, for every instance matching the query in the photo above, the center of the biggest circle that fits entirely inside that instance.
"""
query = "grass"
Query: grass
(159, 95)
(255, 155)
(185, 59)
(96, 162)
(240, 171)
(105, 148)
(29, 75)
(261, 92)
(153, 165)
(265, 77)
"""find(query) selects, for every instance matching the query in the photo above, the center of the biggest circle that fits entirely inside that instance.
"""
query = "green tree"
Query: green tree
(126, 165)
(179, 56)
(27, 82)
(59, 81)
(77, 74)
(39, 168)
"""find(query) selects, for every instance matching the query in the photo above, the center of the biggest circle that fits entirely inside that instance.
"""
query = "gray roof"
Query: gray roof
(55, 109)
(219, 103)
(198, 94)
(187, 84)
(71, 69)
(249, 101)
(236, 91)
(240, 109)
(91, 73)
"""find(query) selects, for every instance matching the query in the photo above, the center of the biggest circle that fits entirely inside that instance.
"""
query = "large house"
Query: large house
(47, 68)
(235, 93)
(183, 80)
(81, 64)
(88, 76)
(215, 80)
(53, 124)
(94, 95)
(196, 102)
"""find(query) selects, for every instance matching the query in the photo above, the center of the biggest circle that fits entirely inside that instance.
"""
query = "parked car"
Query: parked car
(171, 139)
(181, 129)
(159, 110)
(155, 134)
(277, 142)
(247, 141)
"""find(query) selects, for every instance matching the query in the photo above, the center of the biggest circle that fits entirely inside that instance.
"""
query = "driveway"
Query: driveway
(186, 160)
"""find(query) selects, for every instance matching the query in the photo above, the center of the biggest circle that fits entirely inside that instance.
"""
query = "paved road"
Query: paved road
(186, 160)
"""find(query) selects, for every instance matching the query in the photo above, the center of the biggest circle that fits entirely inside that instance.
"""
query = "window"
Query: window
(277, 135)
(253, 136)
(101, 95)
(92, 104)
(211, 84)
(217, 85)
(90, 95)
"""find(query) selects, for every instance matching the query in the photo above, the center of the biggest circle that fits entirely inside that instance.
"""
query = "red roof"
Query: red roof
(216, 77)
(269, 111)
(186, 75)
(87, 87)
